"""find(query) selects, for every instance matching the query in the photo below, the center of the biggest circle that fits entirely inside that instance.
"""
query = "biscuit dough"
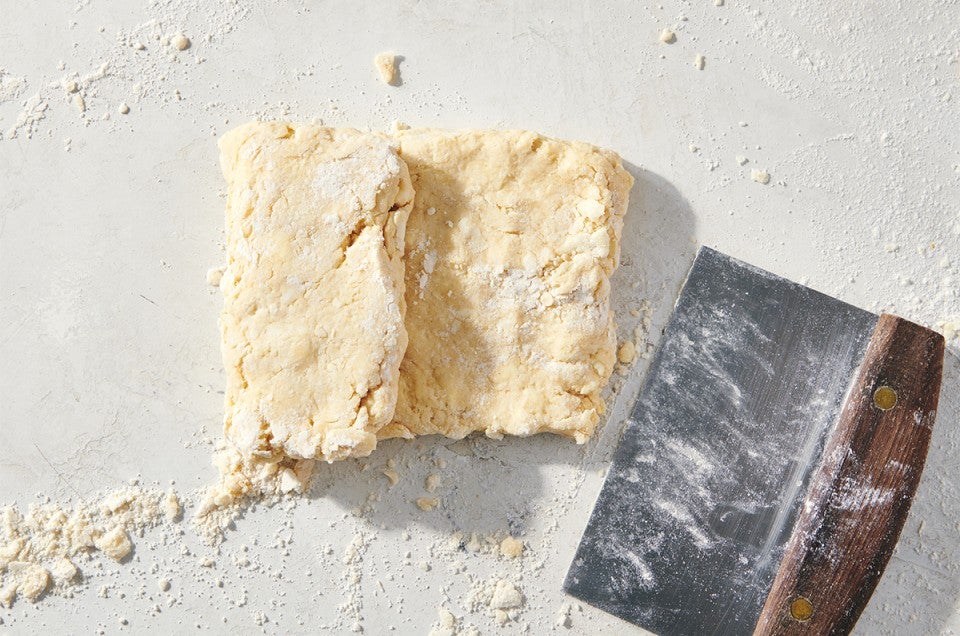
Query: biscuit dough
(312, 322)
(510, 246)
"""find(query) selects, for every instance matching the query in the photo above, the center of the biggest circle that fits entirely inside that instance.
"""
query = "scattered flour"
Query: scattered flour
(11, 86)
(42, 544)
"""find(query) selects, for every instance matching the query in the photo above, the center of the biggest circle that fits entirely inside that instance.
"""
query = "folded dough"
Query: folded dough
(312, 322)
(509, 249)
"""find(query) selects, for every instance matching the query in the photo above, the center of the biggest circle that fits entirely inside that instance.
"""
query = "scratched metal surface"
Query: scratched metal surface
(714, 464)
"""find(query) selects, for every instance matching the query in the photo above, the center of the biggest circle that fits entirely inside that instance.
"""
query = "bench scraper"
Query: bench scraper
(768, 465)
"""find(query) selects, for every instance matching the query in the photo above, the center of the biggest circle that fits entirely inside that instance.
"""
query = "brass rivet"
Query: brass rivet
(885, 398)
(801, 609)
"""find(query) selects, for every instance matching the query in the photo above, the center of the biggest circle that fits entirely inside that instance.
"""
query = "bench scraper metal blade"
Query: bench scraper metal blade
(768, 465)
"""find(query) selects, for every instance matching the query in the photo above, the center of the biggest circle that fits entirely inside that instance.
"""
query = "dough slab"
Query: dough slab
(313, 318)
(510, 245)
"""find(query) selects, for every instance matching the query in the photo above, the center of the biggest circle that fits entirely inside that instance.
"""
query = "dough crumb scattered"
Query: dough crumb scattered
(163, 585)
(742, 160)
(699, 62)
(760, 176)
(171, 506)
(123, 109)
(386, 64)
(180, 42)
(432, 482)
(79, 103)
(215, 275)
(950, 330)
(427, 503)
(32, 579)
(506, 596)
(563, 616)
(392, 476)
(8, 594)
(627, 352)
(667, 36)
(64, 571)
(446, 624)
(511, 548)
(115, 544)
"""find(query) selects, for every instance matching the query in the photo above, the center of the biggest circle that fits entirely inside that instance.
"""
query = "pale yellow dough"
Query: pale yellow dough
(313, 316)
(510, 246)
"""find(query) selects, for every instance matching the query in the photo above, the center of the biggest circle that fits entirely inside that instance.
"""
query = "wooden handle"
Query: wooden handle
(860, 496)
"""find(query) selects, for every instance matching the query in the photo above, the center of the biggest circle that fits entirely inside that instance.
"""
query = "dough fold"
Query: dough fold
(510, 246)
(313, 317)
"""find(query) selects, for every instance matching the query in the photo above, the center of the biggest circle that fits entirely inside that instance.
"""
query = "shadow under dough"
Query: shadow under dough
(495, 484)
(657, 250)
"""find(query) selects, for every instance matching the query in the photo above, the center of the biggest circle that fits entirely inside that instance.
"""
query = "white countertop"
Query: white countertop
(109, 350)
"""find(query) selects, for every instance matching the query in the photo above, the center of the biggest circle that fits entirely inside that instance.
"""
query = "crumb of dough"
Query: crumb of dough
(432, 482)
(171, 506)
(667, 36)
(718, 3)
(427, 503)
(511, 548)
(8, 594)
(474, 544)
(163, 584)
(563, 616)
(115, 544)
(64, 571)
(506, 596)
(392, 476)
(627, 352)
(71, 86)
(32, 579)
(760, 176)
(513, 333)
(742, 160)
(950, 330)
(501, 617)
(693, 148)
(699, 62)
(386, 64)
(123, 109)
(79, 103)
(215, 275)
(180, 42)
(446, 624)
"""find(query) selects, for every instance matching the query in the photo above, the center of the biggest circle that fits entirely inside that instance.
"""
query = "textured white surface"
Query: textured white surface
(109, 361)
